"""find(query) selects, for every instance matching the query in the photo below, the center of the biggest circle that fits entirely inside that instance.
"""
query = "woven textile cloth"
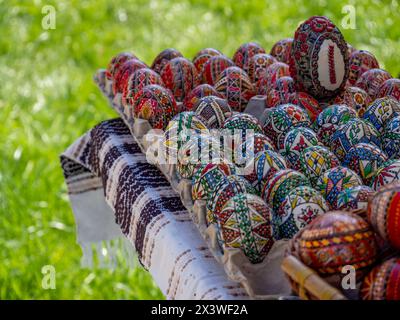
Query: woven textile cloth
(115, 194)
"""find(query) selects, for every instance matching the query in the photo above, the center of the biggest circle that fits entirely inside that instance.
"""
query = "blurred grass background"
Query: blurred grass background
(48, 99)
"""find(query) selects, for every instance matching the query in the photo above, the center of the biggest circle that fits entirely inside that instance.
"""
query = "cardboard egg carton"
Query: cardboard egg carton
(264, 280)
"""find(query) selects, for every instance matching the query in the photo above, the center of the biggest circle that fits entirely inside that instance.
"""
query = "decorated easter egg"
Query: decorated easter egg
(329, 120)
(137, 81)
(116, 62)
(213, 111)
(180, 76)
(123, 74)
(297, 140)
(179, 131)
(202, 90)
(245, 52)
(281, 50)
(381, 111)
(227, 188)
(384, 215)
(391, 138)
(319, 59)
(308, 103)
(351, 133)
(258, 64)
(371, 81)
(390, 88)
(279, 92)
(270, 76)
(245, 223)
(153, 103)
(334, 240)
(199, 149)
(213, 67)
(201, 58)
(383, 282)
(361, 61)
(242, 121)
(355, 98)
(280, 184)
(355, 198)
(301, 206)
(280, 119)
(234, 85)
(388, 173)
(315, 160)
(266, 164)
(333, 181)
(206, 177)
(365, 159)
(163, 57)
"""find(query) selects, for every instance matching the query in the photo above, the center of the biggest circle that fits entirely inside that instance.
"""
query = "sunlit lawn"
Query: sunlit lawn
(47, 100)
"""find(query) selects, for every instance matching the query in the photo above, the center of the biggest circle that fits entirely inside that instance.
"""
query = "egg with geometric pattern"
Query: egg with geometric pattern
(270, 76)
(245, 52)
(116, 62)
(390, 88)
(121, 77)
(315, 160)
(355, 199)
(202, 57)
(163, 58)
(281, 50)
(371, 81)
(355, 98)
(194, 96)
(213, 111)
(245, 223)
(391, 138)
(389, 172)
(334, 181)
(258, 64)
(360, 62)
(381, 111)
(301, 206)
(213, 67)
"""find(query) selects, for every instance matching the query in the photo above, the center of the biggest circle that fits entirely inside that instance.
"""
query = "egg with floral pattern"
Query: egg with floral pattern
(371, 81)
(213, 67)
(124, 72)
(202, 57)
(193, 98)
(390, 88)
(245, 52)
(281, 50)
(360, 62)
(381, 111)
(355, 199)
(163, 58)
(257, 66)
(391, 138)
(389, 172)
(213, 111)
(116, 62)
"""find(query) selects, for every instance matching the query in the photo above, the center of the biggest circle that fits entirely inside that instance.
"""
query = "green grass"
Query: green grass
(48, 99)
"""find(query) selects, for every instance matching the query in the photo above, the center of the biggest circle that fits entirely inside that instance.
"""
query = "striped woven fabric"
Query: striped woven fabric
(115, 193)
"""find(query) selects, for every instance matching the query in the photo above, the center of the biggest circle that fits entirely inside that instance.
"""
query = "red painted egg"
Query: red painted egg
(371, 81)
(281, 50)
(213, 67)
(202, 90)
(360, 62)
(245, 52)
(125, 71)
(163, 57)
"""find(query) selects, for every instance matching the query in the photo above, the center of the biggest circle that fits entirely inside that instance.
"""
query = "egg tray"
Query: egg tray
(265, 280)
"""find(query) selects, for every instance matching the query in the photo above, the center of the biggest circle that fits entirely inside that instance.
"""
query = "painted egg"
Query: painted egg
(270, 76)
(266, 164)
(315, 160)
(137, 81)
(297, 140)
(383, 282)
(206, 177)
(179, 130)
(281, 50)
(329, 120)
(245, 52)
(213, 111)
(371, 81)
(301, 206)
(334, 181)
(226, 189)
(180, 76)
(388, 173)
(202, 90)
(355, 198)
(351, 133)
(308, 103)
(155, 104)
(391, 138)
(280, 91)
(390, 88)
(163, 58)
(354, 98)
(243, 121)
(334, 240)
(234, 85)
(280, 184)
(123, 74)
(258, 64)
(381, 111)
(365, 159)
(319, 60)
(199, 149)
(116, 62)
(384, 215)
(280, 119)
(360, 62)
(246, 224)
(213, 67)
(202, 57)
